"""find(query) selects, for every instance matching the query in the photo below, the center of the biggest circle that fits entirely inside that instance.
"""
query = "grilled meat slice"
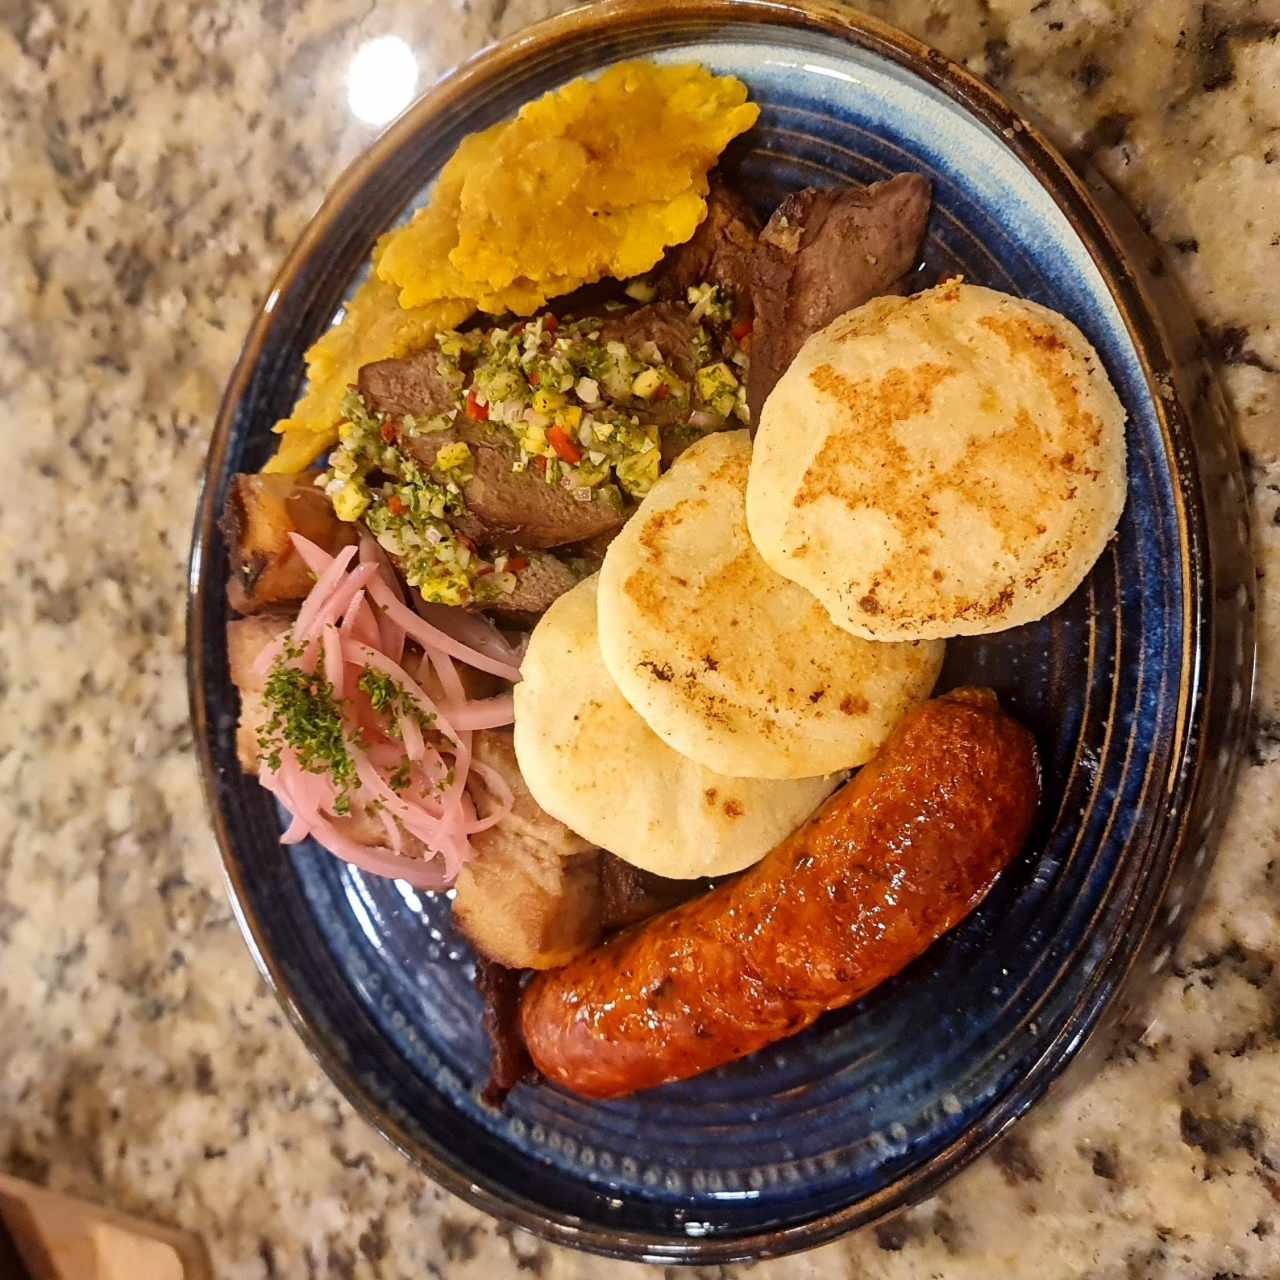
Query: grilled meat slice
(822, 254)
(519, 508)
(411, 386)
(668, 325)
(629, 895)
(670, 328)
(539, 584)
(585, 558)
(721, 251)
(504, 508)
(260, 514)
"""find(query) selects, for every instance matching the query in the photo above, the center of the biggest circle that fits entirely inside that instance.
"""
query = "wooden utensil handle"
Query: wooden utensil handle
(53, 1237)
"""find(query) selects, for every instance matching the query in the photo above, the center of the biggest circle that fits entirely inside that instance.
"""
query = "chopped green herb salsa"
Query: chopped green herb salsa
(581, 409)
(388, 699)
(408, 508)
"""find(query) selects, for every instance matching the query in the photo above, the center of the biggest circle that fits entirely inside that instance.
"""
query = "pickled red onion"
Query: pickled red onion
(359, 622)
(326, 584)
(333, 661)
(484, 713)
(392, 633)
(355, 616)
(470, 629)
(368, 657)
(432, 638)
(415, 745)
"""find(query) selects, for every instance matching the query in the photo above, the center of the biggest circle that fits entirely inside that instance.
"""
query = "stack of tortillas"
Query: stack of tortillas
(692, 708)
(932, 466)
(591, 760)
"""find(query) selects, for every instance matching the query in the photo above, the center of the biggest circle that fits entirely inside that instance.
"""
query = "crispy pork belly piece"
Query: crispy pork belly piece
(261, 512)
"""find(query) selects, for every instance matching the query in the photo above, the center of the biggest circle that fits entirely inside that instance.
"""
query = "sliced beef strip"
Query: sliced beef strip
(509, 1064)
(668, 325)
(585, 558)
(823, 253)
(721, 251)
(538, 586)
(414, 386)
(505, 508)
(519, 508)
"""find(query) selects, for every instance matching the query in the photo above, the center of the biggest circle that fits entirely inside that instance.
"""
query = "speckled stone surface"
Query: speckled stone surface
(156, 160)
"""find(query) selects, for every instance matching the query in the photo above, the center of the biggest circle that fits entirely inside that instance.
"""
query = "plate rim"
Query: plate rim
(1082, 201)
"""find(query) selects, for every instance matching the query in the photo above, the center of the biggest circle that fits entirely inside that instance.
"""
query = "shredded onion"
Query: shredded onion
(367, 657)
(446, 673)
(485, 713)
(432, 638)
(411, 732)
(392, 633)
(317, 559)
(394, 839)
(297, 831)
(337, 604)
(325, 586)
(359, 622)
(470, 629)
(356, 616)
(333, 663)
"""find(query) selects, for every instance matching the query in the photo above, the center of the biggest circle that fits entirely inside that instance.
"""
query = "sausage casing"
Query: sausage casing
(890, 863)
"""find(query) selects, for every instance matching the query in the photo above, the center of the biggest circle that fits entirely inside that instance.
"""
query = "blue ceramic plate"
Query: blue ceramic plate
(1135, 689)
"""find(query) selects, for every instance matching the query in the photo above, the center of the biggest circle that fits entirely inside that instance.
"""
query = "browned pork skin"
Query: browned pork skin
(629, 895)
(261, 512)
(509, 1063)
(624, 896)
(531, 897)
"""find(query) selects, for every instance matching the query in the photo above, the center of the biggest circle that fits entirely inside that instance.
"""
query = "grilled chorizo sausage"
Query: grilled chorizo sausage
(889, 864)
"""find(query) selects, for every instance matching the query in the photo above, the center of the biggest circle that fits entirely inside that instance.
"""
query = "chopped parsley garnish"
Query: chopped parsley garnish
(388, 699)
(306, 717)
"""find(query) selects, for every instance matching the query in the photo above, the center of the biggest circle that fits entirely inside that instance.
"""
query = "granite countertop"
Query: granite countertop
(157, 162)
